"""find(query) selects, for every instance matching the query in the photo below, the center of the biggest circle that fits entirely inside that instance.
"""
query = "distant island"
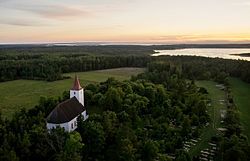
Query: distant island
(242, 54)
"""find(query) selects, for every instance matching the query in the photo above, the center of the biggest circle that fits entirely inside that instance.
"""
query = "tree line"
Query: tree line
(201, 68)
(49, 63)
(51, 68)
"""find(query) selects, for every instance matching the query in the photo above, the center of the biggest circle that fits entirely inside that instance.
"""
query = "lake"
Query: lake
(206, 52)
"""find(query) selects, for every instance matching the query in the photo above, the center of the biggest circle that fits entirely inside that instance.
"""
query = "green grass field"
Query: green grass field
(17, 94)
(241, 94)
(215, 94)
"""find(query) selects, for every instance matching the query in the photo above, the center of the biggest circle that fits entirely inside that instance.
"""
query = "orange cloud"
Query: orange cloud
(55, 11)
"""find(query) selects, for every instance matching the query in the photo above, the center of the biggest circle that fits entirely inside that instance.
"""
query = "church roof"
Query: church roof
(65, 111)
(76, 85)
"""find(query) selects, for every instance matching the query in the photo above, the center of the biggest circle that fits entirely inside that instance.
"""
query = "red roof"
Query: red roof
(76, 85)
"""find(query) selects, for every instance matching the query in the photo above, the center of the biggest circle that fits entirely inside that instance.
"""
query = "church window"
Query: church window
(74, 93)
(75, 123)
(72, 125)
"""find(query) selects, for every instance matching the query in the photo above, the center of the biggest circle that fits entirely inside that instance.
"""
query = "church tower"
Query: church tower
(77, 91)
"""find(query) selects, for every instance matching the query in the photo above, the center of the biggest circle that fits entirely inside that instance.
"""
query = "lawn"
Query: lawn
(215, 94)
(17, 94)
(241, 94)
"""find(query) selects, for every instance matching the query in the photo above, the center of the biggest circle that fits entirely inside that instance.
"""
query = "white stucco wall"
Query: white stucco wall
(68, 125)
(85, 116)
(79, 94)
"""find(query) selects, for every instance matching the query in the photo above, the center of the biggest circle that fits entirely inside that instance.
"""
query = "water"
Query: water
(207, 52)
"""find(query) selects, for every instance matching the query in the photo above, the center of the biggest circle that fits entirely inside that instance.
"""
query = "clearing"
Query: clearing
(17, 94)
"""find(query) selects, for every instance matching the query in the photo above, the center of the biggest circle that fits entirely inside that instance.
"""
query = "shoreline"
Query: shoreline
(242, 54)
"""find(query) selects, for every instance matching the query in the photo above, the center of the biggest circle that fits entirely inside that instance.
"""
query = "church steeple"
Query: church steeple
(76, 85)
(77, 91)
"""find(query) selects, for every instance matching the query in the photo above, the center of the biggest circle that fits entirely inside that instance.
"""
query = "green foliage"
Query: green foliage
(186, 127)
(112, 100)
(147, 118)
(127, 150)
(182, 156)
(94, 139)
(235, 148)
(72, 148)
(142, 120)
(149, 150)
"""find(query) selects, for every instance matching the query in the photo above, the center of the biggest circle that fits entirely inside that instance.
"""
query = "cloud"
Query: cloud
(28, 13)
(19, 22)
(55, 11)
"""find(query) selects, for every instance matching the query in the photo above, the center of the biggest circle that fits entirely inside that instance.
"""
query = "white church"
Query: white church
(65, 114)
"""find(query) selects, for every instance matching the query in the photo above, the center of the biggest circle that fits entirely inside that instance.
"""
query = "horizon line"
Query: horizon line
(99, 43)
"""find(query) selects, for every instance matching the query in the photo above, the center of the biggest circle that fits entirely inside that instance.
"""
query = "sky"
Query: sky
(150, 21)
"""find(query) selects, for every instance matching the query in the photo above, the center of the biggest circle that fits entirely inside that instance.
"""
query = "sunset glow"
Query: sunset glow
(161, 21)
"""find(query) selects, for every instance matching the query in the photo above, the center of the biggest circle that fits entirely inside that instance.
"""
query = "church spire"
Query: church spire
(76, 85)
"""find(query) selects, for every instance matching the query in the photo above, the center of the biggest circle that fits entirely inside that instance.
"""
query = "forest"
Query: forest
(146, 118)
(140, 120)
(49, 63)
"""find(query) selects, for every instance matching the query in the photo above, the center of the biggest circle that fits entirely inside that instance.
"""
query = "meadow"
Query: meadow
(18, 94)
